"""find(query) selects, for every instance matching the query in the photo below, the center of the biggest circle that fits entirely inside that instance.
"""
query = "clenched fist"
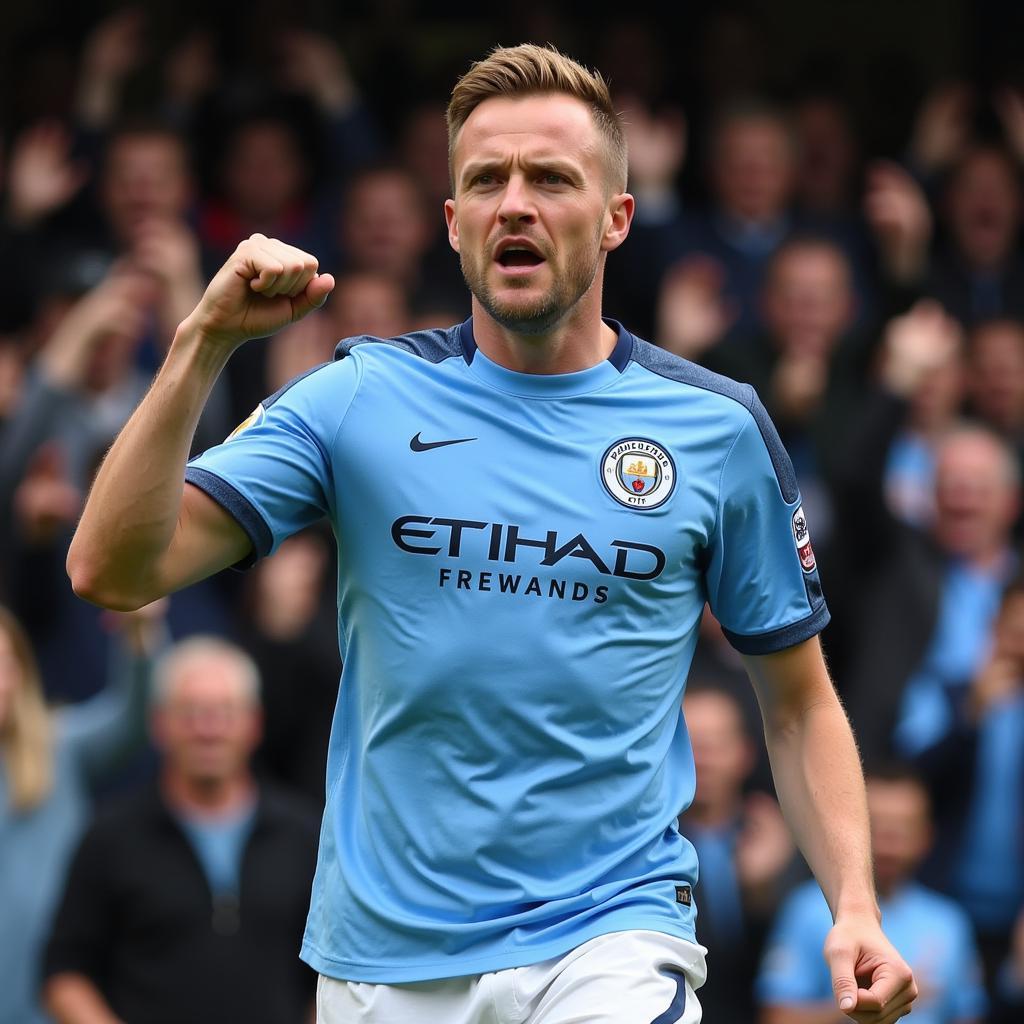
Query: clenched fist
(265, 285)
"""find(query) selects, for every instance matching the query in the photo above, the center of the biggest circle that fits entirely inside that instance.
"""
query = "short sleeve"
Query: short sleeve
(762, 579)
(793, 969)
(273, 473)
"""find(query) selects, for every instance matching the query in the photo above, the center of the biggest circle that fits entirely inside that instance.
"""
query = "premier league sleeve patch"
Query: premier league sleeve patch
(255, 417)
(638, 473)
(802, 540)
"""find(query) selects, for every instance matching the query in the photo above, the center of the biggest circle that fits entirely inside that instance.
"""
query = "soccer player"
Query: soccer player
(531, 509)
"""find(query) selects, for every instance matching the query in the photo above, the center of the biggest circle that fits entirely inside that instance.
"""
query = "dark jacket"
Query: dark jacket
(138, 918)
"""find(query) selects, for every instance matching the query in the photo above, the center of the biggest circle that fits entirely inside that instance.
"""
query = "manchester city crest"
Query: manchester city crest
(638, 473)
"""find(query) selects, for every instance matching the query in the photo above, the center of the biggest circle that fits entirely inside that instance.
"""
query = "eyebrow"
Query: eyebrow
(559, 165)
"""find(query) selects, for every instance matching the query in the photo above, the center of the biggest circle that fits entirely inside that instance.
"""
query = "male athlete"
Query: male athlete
(531, 510)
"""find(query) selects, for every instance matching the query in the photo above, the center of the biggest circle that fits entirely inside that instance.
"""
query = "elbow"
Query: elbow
(90, 583)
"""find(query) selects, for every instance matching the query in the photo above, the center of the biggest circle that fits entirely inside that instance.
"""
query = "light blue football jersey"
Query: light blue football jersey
(523, 563)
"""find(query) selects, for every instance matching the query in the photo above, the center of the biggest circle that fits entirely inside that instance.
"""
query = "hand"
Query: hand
(1009, 104)
(313, 64)
(871, 981)
(657, 145)
(900, 217)
(168, 251)
(942, 129)
(798, 385)
(764, 847)
(112, 50)
(143, 630)
(45, 501)
(191, 69)
(41, 175)
(998, 679)
(117, 307)
(264, 286)
(916, 344)
(693, 315)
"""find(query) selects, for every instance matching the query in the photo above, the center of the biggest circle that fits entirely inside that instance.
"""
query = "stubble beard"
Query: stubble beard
(537, 316)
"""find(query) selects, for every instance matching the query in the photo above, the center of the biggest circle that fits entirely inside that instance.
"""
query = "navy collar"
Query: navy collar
(619, 357)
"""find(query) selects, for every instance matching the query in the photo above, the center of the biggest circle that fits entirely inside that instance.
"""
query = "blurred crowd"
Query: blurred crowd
(876, 302)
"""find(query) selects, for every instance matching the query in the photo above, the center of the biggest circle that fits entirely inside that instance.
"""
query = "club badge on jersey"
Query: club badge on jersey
(638, 473)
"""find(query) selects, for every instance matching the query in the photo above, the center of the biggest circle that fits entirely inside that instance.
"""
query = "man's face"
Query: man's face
(145, 178)
(722, 754)
(900, 829)
(975, 502)
(808, 302)
(753, 169)
(996, 377)
(384, 229)
(984, 209)
(533, 213)
(208, 725)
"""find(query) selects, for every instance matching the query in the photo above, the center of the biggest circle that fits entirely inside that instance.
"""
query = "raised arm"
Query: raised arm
(144, 533)
(821, 788)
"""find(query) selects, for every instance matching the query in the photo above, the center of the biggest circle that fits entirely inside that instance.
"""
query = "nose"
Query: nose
(516, 203)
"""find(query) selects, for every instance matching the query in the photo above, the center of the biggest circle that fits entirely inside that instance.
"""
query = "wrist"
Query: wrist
(208, 349)
(861, 908)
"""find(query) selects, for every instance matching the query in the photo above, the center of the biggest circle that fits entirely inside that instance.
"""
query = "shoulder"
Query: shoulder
(432, 346)
(672, 368)
(806, 905)
(927, 904)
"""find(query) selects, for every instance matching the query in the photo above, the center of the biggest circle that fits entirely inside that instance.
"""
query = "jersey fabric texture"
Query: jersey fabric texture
(523, 564)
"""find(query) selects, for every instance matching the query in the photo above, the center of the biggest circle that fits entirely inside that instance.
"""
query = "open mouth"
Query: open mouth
(516, 256)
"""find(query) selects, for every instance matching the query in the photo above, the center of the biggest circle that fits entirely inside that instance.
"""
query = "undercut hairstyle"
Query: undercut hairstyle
(531, 70)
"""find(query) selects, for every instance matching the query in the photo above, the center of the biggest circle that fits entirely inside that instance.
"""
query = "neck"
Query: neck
(207, 796)
(580, 340)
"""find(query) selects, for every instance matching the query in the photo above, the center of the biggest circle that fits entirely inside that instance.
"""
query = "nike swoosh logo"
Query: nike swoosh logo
(424, 446)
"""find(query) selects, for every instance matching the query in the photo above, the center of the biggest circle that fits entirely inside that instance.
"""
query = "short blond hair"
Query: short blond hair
(530, 70)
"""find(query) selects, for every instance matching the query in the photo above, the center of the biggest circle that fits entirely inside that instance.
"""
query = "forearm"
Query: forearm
(818, 777)
(73, 999)
(133, 509)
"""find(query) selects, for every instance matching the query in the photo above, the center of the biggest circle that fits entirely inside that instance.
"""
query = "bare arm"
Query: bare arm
(821, 789)
(143, 532)
(72, 998)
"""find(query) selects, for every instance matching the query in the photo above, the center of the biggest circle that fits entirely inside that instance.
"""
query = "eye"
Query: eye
(553, 178)
(483, 179)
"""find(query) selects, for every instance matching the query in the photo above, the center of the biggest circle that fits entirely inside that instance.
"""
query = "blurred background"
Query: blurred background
(828, 206)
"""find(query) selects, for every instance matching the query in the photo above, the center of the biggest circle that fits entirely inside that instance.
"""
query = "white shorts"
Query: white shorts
(633, 977)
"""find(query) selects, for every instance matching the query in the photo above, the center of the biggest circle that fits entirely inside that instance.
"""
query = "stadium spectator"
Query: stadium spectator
(287, 628)
(186, 901)
(385, 230)
(967, 736)
(806, 367)
(995, 377)
(930, 930)
(926, 597)
(79, 391)
(746, 854)
(51, 763)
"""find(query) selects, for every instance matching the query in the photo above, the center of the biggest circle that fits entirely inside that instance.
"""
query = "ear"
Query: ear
(618, 219)
(452, 220)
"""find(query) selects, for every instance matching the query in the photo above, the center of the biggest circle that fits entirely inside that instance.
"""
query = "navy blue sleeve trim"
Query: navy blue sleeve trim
(435, 345)
(239, 507)
(785, 636)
